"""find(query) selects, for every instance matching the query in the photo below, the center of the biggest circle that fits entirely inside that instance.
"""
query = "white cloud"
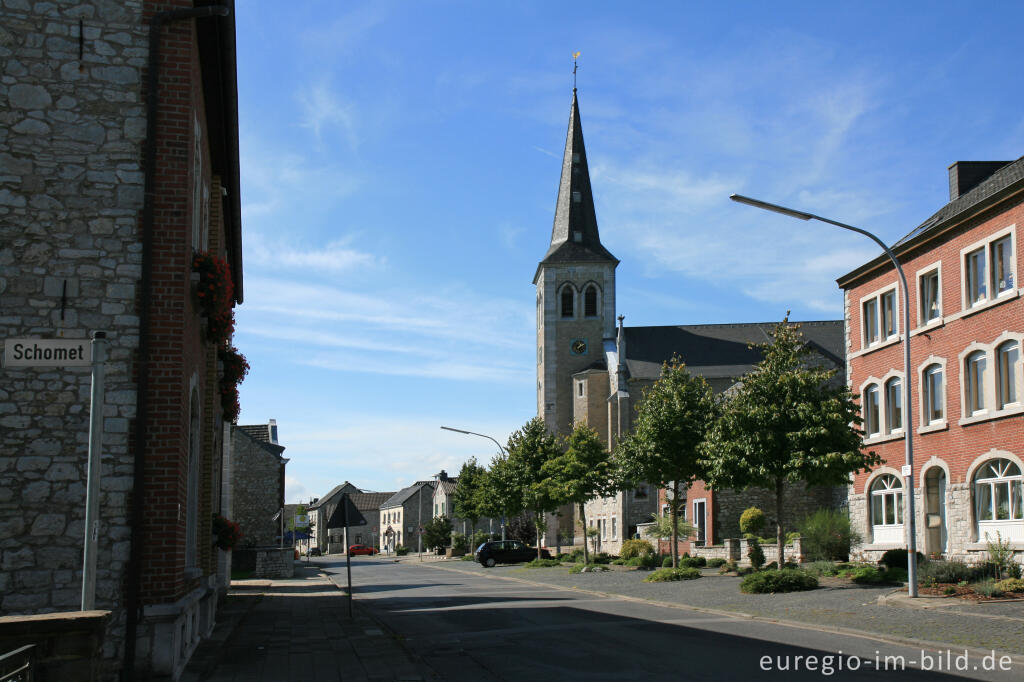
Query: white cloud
(322, 107)
(336, 256)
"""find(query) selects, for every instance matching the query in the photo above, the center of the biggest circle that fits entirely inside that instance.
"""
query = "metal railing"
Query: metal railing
(16, 665)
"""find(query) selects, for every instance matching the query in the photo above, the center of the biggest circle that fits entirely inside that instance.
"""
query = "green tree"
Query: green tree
(664, 445)
(529, 449)
(437, 532)
(786, 422)
(661, 528)
(581, 473)
(500, 493)
(468, 492)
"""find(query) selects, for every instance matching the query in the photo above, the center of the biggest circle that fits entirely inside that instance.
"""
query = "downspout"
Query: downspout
(145, 295)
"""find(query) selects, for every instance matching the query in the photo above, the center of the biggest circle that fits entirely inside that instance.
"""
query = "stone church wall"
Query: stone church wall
(257, 493)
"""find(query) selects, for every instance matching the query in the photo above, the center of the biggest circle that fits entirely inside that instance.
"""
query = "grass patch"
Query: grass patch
(543, 563)
(467, 557)
(771, 582)
(591, 568)
(241, 575)
(664, 575)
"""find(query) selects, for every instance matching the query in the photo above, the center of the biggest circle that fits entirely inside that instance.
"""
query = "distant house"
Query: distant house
(367, 504)
(257, 482)
(403, 513)
(321, 510)
(444, 496)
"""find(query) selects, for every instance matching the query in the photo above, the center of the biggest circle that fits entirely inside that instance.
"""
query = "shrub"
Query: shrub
(786, 580)
(643, 561)
(467, 557)
(590, 568)
(752, 520)
(717, 562)
(635, 548)
(945, 572)
(401, 550)
(460, 543)
(774, 565)
(692, 562)
(601, 558)
(755, 553)
(822, 568)
(898, 557)
(622, 562)
(666, 562)
(1000, 555)
(987, 588)
(727, 568)
(543, 563)
(949, 591)
(1011, 585)
(827, 535)
(664, 575)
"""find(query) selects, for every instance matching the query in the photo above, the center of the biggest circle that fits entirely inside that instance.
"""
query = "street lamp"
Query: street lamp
(501, 450)
(908, 469)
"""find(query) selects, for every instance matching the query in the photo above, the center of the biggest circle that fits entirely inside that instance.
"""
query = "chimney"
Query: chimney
(966, 175)
(272, 429)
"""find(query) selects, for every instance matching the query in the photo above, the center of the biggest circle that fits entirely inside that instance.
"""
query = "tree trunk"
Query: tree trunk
(583, 520)
(674, 508)
(780, 539)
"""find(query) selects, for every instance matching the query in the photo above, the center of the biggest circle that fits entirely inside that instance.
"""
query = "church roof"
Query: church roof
(574, 235)
(719, 351)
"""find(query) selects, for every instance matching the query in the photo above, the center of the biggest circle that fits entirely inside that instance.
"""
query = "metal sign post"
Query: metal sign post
(92, 495)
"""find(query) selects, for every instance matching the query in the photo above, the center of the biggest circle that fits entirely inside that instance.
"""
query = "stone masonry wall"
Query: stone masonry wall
(71, 187)
(257, 495)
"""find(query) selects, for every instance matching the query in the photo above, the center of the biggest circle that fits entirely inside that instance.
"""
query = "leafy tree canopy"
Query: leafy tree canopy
(469, 490)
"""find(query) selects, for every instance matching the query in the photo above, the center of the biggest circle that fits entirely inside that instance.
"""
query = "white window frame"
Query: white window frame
(977, 358)
(1012, 527)
(936, 269)
(885, 431)
(876, 298)
(990, 297)
(871, 414)
(580, 387)
(1014, 375)
(889, 407)
(925, 420)
(990, 384)
(891, 486)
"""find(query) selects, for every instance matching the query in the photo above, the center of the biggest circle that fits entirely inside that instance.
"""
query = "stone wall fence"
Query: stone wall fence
(735, 550)
(68, 646)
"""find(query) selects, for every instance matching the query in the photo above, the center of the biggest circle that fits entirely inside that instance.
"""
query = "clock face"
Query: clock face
(579, 347)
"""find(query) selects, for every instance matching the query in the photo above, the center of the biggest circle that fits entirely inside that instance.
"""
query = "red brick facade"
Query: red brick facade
(960, 442)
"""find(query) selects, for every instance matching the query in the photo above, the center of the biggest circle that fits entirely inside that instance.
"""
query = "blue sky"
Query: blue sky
(400, 163)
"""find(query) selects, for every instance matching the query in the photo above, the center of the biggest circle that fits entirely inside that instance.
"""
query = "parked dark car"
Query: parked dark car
(314, 552)
(356, 550)
(507, 552)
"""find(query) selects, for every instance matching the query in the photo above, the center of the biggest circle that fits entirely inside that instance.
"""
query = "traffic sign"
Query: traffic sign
(346, 514)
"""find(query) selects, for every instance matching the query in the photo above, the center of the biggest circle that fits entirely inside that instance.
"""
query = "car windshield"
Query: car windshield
(481, 547)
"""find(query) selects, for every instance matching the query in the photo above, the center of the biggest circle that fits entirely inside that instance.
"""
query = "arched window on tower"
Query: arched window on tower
(590, 301)
(568, 301)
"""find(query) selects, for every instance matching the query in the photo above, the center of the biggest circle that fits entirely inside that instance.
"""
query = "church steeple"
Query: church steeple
(574, 235)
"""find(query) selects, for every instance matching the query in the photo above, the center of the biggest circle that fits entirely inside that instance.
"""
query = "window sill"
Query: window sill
(884, 438)
(979, 307)
(983, 546)
(989, 416)
(882, 546)
(878, 345)
(925, 328)
(932, 428)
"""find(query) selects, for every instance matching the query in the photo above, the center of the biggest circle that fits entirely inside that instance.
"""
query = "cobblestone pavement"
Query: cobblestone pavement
(998, 626)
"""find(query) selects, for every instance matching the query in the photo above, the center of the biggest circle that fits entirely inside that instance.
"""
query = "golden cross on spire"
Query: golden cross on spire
(575, 56)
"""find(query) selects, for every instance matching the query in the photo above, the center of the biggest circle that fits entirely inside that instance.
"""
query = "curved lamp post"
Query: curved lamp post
(908, 470)
(501, 450)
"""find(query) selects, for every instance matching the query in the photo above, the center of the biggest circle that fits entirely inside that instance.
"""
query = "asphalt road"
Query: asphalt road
(481, 627)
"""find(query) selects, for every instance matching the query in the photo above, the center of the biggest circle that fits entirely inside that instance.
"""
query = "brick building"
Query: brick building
(967, 414)
(589, 370)
(112, 175)
(257, 483)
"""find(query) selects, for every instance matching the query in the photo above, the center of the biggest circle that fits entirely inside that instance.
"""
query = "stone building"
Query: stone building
(589, 370)
(258, 483)
(966, 412)
(400, 516)
(320, 511)
(112, 175)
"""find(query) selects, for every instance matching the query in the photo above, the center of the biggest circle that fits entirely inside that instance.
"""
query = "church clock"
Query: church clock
(578, 347)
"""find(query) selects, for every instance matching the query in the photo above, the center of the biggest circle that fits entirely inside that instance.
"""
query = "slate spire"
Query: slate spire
(574, 235)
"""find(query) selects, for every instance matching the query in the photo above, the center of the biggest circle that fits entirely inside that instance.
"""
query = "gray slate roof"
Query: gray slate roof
(336, 490)
(1004, 181)
(575, 216)
(260, 432)
(404, 494)
(366, 502)
(719, 352)
(447, 486)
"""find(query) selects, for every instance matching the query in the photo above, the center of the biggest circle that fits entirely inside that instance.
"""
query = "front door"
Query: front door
(700, 520)
(935, 511)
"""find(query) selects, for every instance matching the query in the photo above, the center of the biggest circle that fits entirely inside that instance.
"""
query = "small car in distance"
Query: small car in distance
(315, 551)
(356, 550)
(507, 552)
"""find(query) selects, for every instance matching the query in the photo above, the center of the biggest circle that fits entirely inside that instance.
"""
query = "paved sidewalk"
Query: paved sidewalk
(298, 629)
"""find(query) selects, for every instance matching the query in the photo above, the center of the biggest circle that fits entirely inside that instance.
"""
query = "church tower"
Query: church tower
(575, 288)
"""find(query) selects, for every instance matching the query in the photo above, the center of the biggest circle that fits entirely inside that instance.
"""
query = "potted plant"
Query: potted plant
(226, 533)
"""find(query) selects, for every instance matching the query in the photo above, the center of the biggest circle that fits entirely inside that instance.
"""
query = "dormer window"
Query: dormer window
(577, 197)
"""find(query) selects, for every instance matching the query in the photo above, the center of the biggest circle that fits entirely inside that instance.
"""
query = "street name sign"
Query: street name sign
(47, 353)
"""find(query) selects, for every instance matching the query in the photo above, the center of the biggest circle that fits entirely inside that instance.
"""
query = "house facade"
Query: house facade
(258, 483)
(966, 411)
(320, 512)
(401, 515)
(114, 176)
(593, 369)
